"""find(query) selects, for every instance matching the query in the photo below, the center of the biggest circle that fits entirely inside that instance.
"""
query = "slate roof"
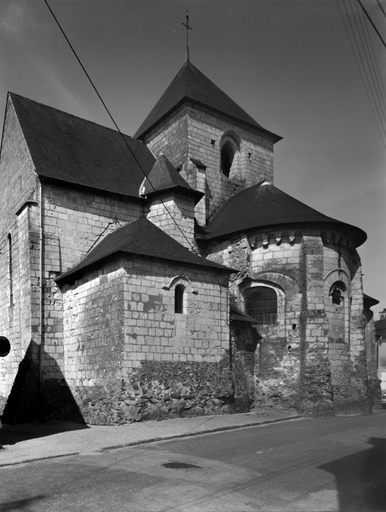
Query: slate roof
(193, 86)
(143, 238)
(164, 177)
(66, 148)
(369, 302)
(265, 206)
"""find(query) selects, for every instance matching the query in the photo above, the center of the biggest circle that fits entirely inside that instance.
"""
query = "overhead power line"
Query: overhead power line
(382, 9)
(125, 142)
(371, 21)
(363, 50)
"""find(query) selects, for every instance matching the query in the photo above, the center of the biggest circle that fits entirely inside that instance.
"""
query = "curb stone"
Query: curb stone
(203, 432)
(248, 424)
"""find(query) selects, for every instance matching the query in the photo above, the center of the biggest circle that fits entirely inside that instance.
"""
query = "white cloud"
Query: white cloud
(16, 16)
(14, 19)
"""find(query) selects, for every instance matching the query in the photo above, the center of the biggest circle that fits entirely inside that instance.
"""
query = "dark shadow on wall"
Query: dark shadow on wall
(29, 402)
(361, 478)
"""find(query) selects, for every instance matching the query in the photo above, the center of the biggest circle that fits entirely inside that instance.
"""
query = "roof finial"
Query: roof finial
(188, 27)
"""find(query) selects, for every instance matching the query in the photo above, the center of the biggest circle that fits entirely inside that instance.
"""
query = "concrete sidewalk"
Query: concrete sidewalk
(32, 442)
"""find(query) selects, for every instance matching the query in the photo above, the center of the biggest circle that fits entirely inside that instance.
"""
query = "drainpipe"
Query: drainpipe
(41, 290)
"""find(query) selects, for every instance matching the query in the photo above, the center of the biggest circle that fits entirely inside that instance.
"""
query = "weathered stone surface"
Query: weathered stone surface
(158, 390)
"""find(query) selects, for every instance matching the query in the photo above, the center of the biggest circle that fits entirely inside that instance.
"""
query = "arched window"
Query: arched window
(261, 304)
(337, 292)
(179, 298)
(227, 155)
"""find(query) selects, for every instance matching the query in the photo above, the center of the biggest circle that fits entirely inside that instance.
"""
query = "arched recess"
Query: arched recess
(229, 154)
(263, 300)
(181, 288)
(335, 276)
(337, 294)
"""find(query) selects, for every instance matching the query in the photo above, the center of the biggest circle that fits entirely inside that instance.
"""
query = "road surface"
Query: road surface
(330, 464)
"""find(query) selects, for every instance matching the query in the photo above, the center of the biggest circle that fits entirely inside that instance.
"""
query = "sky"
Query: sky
(289, 63)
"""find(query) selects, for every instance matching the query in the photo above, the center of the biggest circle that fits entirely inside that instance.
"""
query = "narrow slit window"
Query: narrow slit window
(227, 155)
(179, 298)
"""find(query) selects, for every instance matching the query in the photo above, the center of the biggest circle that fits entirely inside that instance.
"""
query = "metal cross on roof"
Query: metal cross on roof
(188, 27)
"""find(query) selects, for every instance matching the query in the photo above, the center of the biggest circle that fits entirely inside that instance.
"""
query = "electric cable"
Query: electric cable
(382, 9)
(358, 44)
(358, 62)
(372, 23)
(380, 83)
(124, 140)
(369, 64)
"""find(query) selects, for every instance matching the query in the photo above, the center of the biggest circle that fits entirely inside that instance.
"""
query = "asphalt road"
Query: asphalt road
(331, 464)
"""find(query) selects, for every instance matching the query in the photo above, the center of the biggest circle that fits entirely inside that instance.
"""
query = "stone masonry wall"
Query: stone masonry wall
(16, 322)
(18, 186)
(347, 350)
(74, 222)
(170, 139)
(128, 356)
(315, 396)
(174, 214)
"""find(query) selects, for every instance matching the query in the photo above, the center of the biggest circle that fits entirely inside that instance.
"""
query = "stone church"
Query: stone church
(165, 275)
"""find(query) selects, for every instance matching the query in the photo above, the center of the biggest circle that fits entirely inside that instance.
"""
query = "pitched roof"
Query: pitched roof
(192, 85)
(165, 177)
(237, 315)
(369, 302)
(143, 238)
(73, 150)
(265, 206)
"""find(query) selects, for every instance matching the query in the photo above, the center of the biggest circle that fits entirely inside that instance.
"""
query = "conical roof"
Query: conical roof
(193, 86)
(164, 177)
(264, 206)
